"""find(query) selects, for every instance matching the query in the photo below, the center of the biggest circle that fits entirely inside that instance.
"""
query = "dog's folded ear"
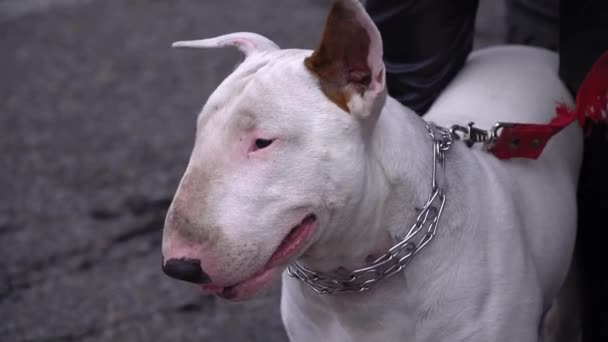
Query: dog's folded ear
(249, 43)
(348, 61)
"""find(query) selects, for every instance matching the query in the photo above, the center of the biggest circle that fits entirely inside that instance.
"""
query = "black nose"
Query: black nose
(187, 270)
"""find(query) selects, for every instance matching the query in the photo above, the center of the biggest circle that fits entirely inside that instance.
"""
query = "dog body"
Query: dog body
(301, 155)
(506, 237)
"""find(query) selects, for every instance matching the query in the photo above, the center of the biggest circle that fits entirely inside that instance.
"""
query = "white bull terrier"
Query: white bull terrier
(302, 159)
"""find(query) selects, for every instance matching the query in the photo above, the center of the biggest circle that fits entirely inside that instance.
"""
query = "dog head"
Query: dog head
(280, 156)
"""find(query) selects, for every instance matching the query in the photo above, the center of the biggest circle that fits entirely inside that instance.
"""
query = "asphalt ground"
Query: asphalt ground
(97, 118)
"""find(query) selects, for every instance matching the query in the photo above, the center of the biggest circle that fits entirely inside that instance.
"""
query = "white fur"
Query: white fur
(247, 42)
(504, 242)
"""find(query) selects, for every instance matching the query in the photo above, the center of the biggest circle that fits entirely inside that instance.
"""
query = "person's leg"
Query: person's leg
(583, 38)
(426, 42)
(533, 22)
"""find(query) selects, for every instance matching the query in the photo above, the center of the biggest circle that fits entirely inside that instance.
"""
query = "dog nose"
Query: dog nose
(187, 270)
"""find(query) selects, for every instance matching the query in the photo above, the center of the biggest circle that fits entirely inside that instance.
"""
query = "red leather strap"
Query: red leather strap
(528, 140)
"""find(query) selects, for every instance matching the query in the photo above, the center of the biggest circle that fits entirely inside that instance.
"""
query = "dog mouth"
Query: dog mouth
(297, 237)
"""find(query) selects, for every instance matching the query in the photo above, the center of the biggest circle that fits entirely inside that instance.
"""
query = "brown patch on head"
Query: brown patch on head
(340, 60)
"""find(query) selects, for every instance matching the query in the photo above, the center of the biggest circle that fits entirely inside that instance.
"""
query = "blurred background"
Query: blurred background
(97, 119)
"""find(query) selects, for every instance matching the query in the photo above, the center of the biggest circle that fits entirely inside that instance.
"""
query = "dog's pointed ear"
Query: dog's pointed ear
(249, 43)
(348, 61)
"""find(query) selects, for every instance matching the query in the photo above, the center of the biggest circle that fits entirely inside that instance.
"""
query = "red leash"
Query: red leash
(517, 140)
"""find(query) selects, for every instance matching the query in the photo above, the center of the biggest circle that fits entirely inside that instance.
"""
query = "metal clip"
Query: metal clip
(471, 135)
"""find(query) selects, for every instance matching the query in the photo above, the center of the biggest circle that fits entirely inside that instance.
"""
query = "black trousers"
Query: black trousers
(426, 42)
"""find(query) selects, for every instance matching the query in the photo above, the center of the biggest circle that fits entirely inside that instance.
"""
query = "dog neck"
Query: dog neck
(397, 180)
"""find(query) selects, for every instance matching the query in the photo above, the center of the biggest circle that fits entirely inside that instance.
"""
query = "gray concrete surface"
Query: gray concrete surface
(96, 125)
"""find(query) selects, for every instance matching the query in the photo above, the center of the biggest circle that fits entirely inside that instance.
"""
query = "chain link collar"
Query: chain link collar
(407, 246)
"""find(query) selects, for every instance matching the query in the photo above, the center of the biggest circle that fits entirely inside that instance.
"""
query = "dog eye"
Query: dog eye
(262, 143)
